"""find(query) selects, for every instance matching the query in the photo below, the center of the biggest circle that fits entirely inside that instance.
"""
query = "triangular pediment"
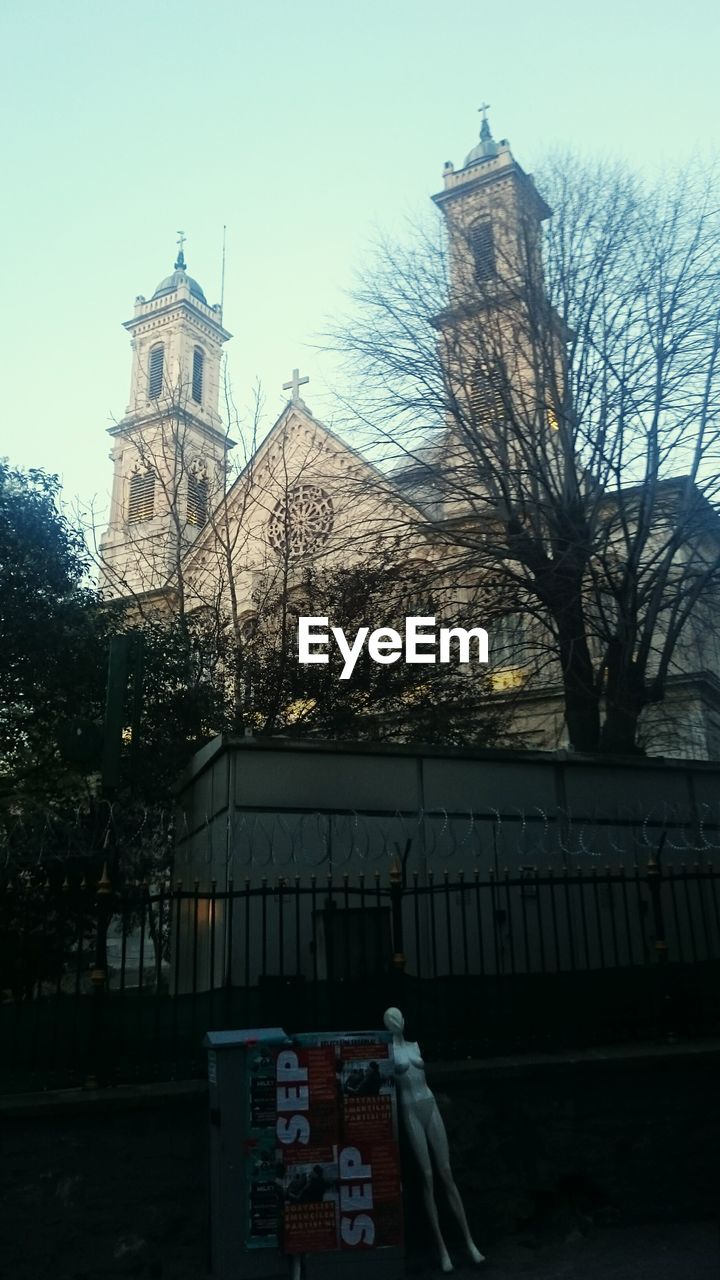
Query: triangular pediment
(303, 483)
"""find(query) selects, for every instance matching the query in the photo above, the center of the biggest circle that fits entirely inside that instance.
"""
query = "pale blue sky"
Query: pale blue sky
(302, 126)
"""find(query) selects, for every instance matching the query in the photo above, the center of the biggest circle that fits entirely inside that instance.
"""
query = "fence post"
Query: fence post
(98, 976)
(396, 894)
(655, 890)
(654, 882)
(397, 985)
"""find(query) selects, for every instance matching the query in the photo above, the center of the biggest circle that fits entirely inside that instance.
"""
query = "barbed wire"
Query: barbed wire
(233, 843)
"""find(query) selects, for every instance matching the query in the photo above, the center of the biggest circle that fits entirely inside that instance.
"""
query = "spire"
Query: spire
(486, 148)
(180, 260)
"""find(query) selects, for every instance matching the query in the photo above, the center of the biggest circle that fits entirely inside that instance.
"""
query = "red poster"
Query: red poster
(308, 1120)
(370, 1196)
(368, 1094)
(337, 1146)
(307, 1104)
(310, 1202)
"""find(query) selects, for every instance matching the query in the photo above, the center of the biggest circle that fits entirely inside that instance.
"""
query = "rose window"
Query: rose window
(302, 522)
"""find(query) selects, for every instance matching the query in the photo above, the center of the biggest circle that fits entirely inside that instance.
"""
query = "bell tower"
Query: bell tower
(493, 214)
(501, 344)
(169, 451)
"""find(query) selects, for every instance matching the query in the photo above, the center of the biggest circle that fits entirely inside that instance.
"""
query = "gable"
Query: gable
(304, 496)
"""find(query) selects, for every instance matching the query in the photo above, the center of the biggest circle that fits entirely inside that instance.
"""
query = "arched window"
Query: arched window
(249, 628)
(486, 399)
(197, 376)
(155, 371)
(483, 249)
(141, 503)
(197, 498)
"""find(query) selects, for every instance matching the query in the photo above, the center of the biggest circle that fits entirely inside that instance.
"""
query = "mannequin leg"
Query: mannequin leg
(419, 1144)
(438, 1143)
(295, 1267)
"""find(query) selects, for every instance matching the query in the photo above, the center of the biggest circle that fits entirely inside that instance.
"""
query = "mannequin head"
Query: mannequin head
(394, 1021)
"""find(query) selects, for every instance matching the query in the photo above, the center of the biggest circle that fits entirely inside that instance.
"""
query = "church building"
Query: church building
(180, 535)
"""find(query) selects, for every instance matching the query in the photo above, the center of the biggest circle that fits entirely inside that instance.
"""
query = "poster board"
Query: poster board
(319, 1142)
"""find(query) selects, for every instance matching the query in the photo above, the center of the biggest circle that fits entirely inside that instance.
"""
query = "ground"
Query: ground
(667, 1251)
(95, 1186)
(671, 1251)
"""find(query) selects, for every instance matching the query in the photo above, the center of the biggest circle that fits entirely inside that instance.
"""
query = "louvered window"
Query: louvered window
(483, 250)
(142, 497)
(197, 494)
(486, 396)
(155, 372)
(197, 378)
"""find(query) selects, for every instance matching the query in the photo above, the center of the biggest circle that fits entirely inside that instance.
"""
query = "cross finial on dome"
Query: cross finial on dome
(484, 127)
(180, 260)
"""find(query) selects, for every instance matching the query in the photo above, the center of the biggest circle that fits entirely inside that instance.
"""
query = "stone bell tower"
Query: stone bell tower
(493, 213)
(501, 344)
(169, 451)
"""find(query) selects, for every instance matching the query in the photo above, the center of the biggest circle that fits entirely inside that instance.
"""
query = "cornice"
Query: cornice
(214, 327)
(131, 426)
(494, 177)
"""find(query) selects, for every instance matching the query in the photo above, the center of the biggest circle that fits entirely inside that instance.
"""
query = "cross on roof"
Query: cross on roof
(484, 107)
(294, 385)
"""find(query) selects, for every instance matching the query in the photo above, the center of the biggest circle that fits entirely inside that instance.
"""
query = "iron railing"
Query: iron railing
(101, 983)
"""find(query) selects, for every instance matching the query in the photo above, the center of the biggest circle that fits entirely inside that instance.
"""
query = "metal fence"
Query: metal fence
(101, 984)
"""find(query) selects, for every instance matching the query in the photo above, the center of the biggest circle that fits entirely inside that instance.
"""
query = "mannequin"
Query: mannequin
(426, 1133)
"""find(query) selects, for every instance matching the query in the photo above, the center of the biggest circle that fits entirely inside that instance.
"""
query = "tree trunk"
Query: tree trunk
(626, 696)
(619, 731)
(239, 688)
(582, 705)
(582, 700)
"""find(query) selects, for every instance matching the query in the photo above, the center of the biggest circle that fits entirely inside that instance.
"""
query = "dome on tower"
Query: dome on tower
(180, 276)
(486, 148)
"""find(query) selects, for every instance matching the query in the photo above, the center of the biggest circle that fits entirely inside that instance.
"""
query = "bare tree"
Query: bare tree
(552, 405)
